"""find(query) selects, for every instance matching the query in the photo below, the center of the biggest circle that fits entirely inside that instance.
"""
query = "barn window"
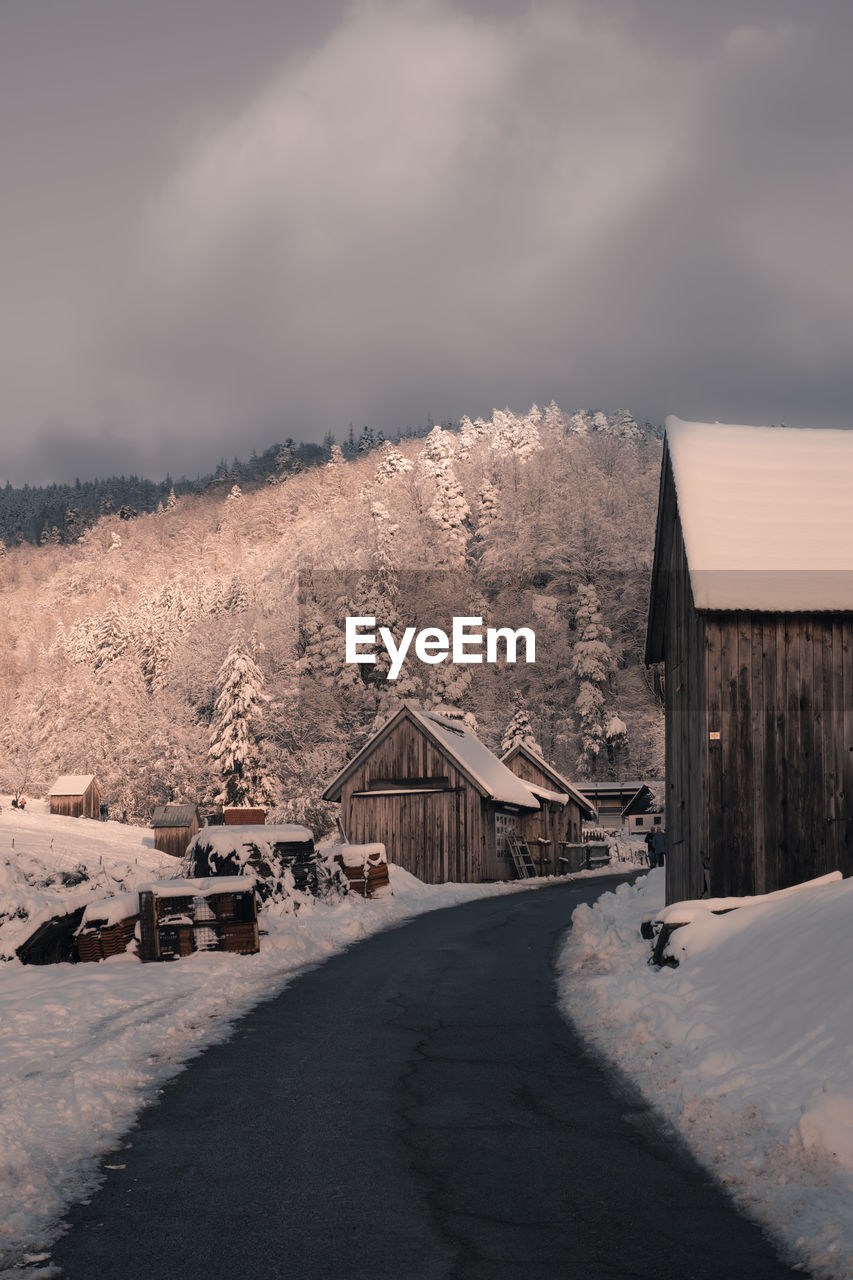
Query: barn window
(506, 824)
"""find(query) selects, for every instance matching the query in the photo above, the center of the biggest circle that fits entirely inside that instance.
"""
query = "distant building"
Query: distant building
(174, 826)
(441, 803)
(627, 806)
(752, 612)
(76, 795)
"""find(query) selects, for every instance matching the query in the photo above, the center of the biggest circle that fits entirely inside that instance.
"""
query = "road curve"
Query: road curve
(413, 1109)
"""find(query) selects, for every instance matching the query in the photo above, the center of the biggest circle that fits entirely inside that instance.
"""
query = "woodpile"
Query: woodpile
(365, 867)
(179, 917)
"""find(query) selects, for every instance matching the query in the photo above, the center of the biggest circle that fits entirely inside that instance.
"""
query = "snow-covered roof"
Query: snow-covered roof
(766, 514)
(224, 839)
(477, 762)
(72, 784)
(542, 793)
(579, 798)
(200, 888)
(173, 815)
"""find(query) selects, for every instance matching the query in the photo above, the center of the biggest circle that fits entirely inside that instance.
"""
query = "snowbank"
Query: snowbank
(746, 1047)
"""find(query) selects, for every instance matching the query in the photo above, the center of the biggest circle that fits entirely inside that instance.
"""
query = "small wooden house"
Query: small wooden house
(435, 796)
(174, 826)
(562, 808)
(76, 795)
(752, 612)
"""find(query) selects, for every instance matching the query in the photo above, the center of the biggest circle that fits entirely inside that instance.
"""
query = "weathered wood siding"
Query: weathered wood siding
(558, 824)
(780, 692)
(439, 835)
(86, 806)
(174, 840)
(687, 794)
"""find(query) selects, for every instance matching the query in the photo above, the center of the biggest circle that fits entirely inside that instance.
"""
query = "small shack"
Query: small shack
(752, 612)
(562, 808)
(179, 917)
(174, 826)
(76, 795)
(441, 803)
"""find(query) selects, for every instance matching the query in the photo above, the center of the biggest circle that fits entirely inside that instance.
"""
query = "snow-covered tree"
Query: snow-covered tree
(448, 510)
(592, 662)
(519, 733)
(392, 464)
(233, 737)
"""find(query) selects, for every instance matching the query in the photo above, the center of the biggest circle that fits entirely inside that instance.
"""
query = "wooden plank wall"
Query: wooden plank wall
(687, 780)
(781, 778)
(438, 836)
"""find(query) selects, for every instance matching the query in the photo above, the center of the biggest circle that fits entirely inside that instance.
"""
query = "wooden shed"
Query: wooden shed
(435, 796)
(76, 795)
(562, 808)
(174, 826)
(752, 612)
(620, 803)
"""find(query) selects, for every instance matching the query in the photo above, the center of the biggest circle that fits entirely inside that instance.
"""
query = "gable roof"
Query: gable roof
(173, 815)
(72, 784)
(550, 772)
(476, 762)
(766, 515)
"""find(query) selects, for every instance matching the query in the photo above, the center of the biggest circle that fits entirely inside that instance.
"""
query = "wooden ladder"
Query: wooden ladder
(521, 857)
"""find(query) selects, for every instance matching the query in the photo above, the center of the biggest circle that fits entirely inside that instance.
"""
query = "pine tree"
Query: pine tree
(448, 510)
(519, 733)
(592, 662)
(393, 464)
(233, 737)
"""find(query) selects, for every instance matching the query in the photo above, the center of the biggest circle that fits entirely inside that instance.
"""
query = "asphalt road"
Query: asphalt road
(413, 1109)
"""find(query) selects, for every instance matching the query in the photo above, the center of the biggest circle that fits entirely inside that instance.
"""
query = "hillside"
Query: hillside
(114, 648)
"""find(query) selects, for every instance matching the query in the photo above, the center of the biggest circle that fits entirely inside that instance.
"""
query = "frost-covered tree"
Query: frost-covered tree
(592, 662)
(392, 464)
(519, 733)
(448, 510)
(234, 748)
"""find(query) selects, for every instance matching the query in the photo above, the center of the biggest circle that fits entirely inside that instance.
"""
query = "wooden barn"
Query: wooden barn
(76, 795)
(441, 802)
(562, 808)
(174, 826)
(752, 613)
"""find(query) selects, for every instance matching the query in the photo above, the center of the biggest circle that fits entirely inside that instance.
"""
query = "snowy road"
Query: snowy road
(413, 1108)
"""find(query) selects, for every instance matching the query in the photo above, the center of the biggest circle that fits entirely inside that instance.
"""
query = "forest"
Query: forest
(195, 652)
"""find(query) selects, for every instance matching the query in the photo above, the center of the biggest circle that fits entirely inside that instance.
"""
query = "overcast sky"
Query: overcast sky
(223, 224)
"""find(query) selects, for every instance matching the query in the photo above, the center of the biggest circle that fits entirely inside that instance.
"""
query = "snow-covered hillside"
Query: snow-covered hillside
(114, 646)
(747, 1046)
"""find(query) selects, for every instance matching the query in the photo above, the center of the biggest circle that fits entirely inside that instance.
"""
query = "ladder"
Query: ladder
(522, 858)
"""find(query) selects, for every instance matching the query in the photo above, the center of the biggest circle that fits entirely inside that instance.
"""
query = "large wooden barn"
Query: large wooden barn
(562, 808)
(174, 826)
(441, 802)
(752, 612)
(76, 795)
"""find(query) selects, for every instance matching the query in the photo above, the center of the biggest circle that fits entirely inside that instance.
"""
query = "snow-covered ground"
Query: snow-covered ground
(746, 1047)
(84, 1046)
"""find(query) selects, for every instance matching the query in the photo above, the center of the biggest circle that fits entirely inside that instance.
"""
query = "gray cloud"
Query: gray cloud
(435, 209)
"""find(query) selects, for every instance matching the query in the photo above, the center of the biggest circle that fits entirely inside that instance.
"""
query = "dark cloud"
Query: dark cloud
(389, 210)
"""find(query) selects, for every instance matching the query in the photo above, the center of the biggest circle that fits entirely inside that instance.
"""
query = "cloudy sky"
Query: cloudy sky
(224, 224)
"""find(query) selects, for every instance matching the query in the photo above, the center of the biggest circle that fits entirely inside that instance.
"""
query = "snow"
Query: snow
(201, 888)
(476, 760)
(746, 1047)
(85, 1046)
(226, 839)
(357, 855)
(542, 793)
(71, 784)
(766, 515)
(111, 910)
